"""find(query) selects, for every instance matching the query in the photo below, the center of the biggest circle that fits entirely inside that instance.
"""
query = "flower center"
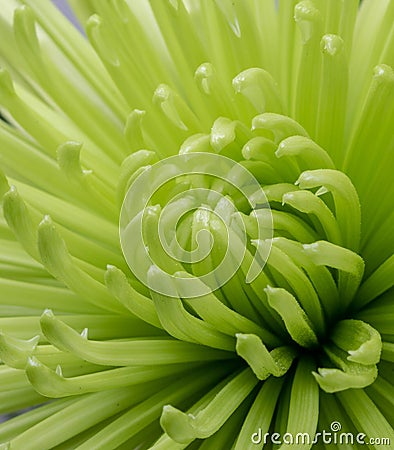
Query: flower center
(204, 225)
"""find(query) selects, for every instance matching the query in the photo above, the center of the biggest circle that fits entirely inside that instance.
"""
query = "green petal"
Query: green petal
(360, 340)
(262, 362)
(145, 412)
(92, 407)
(296, 321)
(373, 423)
(53, 384)
(260, 415)
(182, 427)
(304, 402)
(131, 352)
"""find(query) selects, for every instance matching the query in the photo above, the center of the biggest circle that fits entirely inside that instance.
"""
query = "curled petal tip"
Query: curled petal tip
(48, 313)
(331, 44)
(47, 220)
(33, 362)
(384, 73)
(84, 333)
(59, 370)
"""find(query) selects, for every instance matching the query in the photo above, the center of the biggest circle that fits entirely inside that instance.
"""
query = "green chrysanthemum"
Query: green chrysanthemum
(300, 97)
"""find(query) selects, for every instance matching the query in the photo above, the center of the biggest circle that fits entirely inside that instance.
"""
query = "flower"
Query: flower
(253, 105)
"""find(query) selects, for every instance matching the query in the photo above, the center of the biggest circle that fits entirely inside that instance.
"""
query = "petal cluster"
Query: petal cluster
(180, 137)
